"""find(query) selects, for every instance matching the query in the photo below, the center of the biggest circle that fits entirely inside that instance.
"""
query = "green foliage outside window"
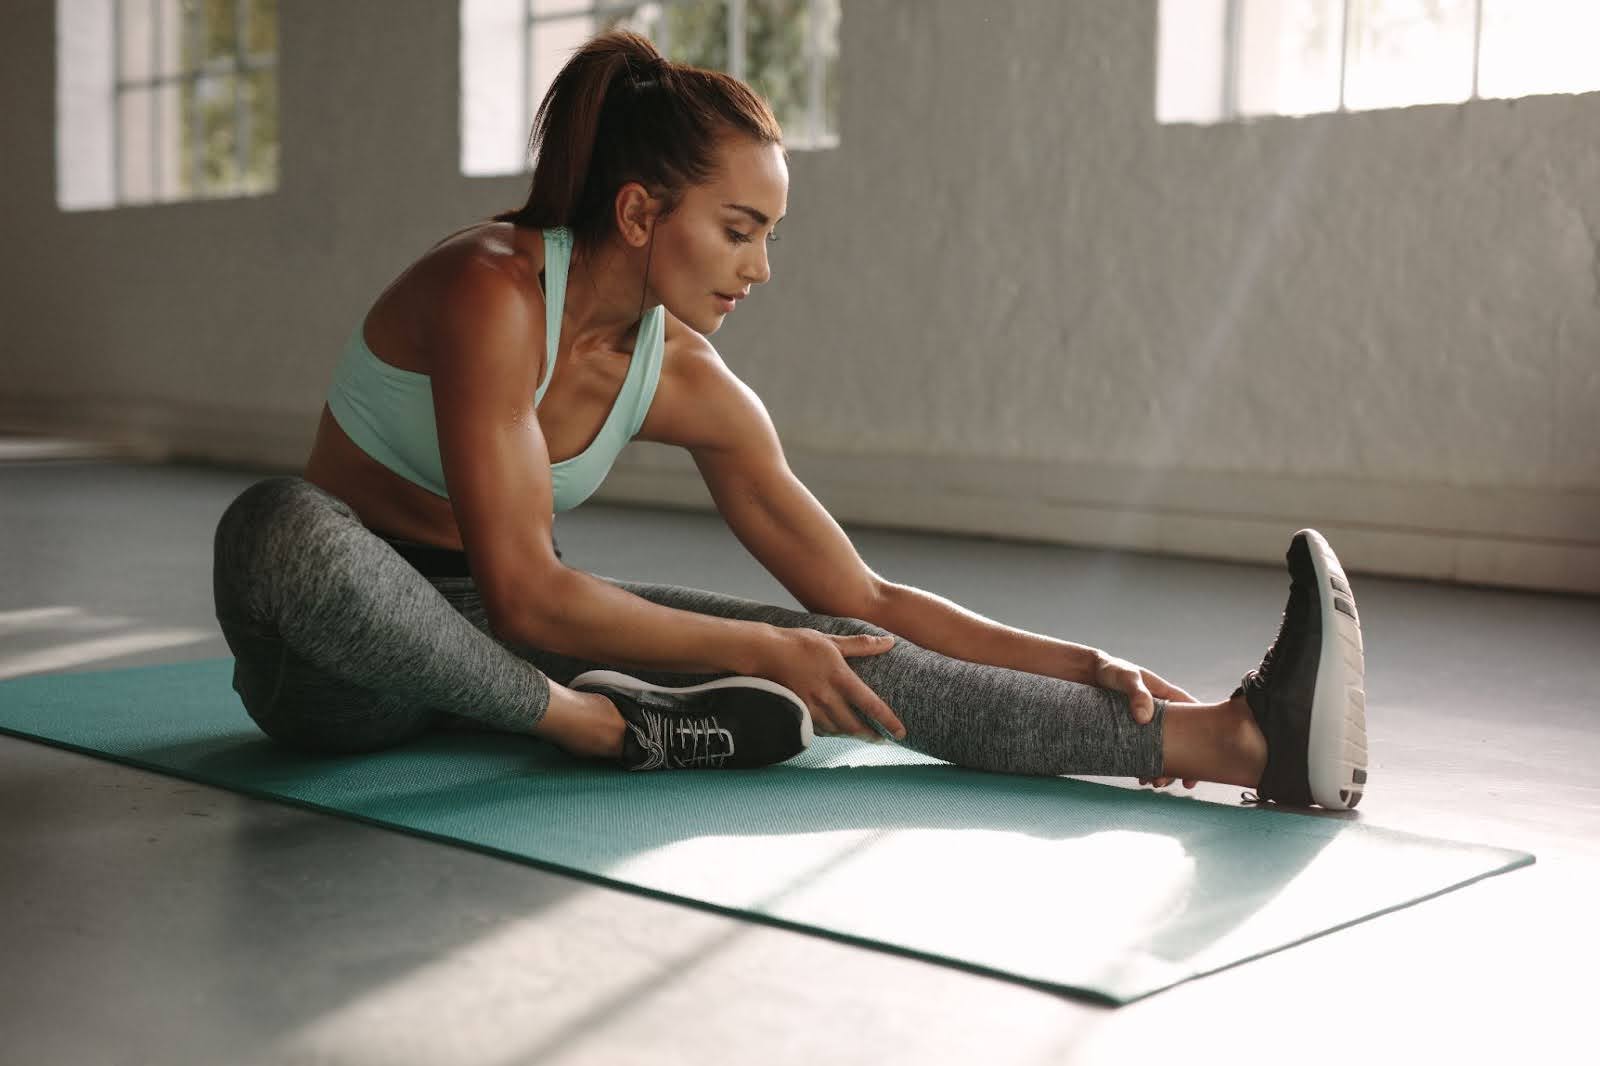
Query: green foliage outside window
(227, 102)
(775, 65)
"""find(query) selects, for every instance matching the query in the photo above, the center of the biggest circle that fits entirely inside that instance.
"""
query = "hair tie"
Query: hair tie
(642, 71)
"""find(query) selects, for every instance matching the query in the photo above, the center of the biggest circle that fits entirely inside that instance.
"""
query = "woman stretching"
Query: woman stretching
(410, 579)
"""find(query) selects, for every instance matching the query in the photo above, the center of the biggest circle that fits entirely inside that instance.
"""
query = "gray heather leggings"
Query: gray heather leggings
(341, 645)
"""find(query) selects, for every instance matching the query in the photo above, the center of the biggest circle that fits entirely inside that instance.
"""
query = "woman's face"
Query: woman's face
(716, 241)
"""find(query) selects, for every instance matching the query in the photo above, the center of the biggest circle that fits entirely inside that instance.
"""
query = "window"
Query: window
(787, 50)
(1228, 59)
(163, 100)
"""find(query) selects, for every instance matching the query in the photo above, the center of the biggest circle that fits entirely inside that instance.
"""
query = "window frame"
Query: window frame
(241, 63)
(815, 134)
(1233, 35)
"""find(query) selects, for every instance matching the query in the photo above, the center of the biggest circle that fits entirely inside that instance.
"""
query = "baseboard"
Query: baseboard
(1522, 538)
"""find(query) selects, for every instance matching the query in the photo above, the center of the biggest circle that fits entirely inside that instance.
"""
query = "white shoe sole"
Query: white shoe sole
(1337, 755)
(628, 683)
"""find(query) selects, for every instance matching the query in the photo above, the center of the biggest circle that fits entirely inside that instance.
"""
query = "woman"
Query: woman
(410, 580)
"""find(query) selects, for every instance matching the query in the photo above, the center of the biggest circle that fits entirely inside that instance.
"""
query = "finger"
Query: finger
(1128, 680)
(861, 727)
(1165, 689)
(845, 721)
(864, 644)
(862, 696)
(1140, 702)
(852, 722)
(824, 718)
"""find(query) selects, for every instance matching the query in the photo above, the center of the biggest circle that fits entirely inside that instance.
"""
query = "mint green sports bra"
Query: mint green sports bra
(388, 412)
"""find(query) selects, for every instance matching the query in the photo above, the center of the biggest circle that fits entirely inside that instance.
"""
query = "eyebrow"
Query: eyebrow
(759, 216)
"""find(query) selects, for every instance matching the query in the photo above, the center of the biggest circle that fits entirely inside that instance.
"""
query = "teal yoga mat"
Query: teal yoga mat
(1062, 884)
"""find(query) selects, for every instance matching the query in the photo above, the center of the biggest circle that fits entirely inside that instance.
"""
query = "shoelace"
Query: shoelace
(1295, 606)
(688, 742)
(701, 733)
(1260, 674)
(649, 739)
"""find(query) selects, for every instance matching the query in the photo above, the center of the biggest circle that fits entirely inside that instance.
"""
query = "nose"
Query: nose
(763, 269)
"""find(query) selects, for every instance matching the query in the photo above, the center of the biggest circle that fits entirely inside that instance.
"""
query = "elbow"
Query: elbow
(529, 619)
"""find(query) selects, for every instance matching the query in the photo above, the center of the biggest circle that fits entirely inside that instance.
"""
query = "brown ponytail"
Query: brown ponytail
(619, 111)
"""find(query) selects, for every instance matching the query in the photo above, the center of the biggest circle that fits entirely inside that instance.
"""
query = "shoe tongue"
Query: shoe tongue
(653, 700)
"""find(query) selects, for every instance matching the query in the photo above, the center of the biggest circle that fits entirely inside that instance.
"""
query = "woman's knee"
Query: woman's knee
(261, 533)
(268, 505)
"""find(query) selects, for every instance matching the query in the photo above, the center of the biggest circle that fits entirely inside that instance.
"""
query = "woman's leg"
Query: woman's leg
(339, 643)
(342, 645)
(985, 717)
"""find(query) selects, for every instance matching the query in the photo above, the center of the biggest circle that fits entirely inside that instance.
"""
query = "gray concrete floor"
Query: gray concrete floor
(148, 919)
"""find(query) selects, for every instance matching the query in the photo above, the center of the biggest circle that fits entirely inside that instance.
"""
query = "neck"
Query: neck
(604, 292)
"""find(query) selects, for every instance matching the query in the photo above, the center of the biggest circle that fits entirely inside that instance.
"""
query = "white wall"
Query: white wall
(1010, 303)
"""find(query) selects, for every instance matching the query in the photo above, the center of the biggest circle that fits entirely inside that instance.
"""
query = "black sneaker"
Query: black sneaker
(732, 723)
(1307, 695)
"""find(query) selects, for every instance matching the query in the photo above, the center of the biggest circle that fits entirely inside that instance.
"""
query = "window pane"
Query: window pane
(193, 33)
(134, 46)
(221, 26)
(828, 41)
(1539, 46)
(645, 19)
(85, 50)
(218, 165)
(551, 44)
(1289, 56)
(188, 142)
(1409, 52)
(494, 114)
(261, 100)
(134, 114)
(697, 34)
(775, 59)
(168, 137)
(261, 27)
(169, 27)
(1189, 60)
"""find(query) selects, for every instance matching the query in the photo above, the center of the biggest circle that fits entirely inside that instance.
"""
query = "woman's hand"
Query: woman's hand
(1143, 688)
(810, 663)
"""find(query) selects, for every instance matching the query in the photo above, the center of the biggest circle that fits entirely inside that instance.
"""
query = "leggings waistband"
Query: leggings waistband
(434, 561)
(430, 560)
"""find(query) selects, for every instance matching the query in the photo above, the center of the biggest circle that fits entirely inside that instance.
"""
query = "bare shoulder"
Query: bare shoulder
(485, 255)
(699, 403)
(480, 283)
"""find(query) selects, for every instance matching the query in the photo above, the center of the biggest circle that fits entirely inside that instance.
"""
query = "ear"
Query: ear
(637, 212)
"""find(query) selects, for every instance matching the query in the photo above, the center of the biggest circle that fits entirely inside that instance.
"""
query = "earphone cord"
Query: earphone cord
(646, 285)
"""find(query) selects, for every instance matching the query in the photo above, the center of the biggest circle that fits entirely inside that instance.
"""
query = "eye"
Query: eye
(738, 238)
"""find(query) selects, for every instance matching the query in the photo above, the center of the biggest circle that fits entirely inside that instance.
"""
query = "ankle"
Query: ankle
(1244, 743)
(610, 728)
(582, 723)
